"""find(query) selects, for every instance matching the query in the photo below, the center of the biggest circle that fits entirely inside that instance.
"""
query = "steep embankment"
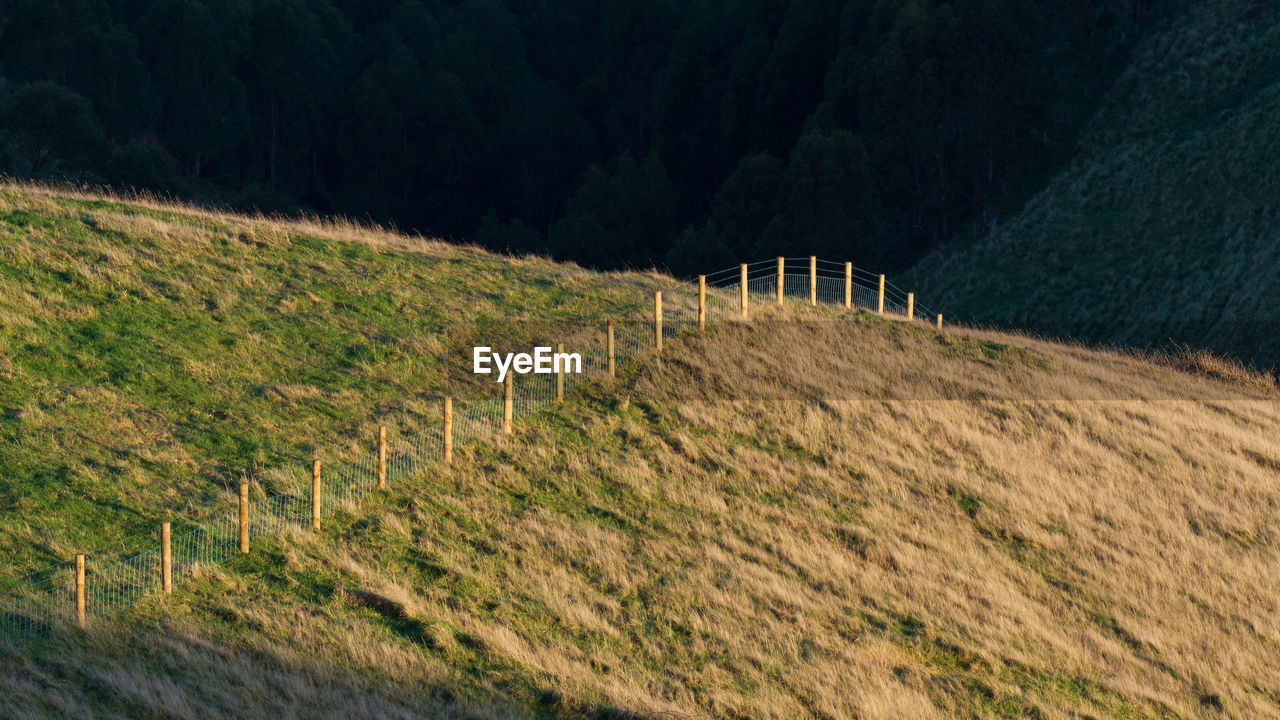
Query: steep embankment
(152, 356)
(1166, 226)
(849, 518)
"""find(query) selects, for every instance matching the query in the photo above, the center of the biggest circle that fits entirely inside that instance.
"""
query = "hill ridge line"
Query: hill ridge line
(38, 599)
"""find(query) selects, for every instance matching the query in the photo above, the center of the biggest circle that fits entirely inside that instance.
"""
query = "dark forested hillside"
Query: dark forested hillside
(622, 132)
(1164, 227)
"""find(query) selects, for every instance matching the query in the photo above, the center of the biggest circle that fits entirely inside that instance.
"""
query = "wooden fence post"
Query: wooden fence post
(702, 302)
(939, 321)
(911, 306)
(166, 557)
(657, 321)
(508, 404)
(382, 457)
(448, 430)
(559, 373)
(813, 279)
(315, 494)
(608, 347)
(782, 278)
(742, 290)
(880, 298)
(848, 285)
(244, 518)
(81, 615)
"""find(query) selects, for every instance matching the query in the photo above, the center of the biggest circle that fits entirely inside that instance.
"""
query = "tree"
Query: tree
(992, 55)
(51, 127)
(618, 219)
(455, 116)
(637, 36)
(512, 236)
(192, 48)
(689, 98)
(791, 82)
(699, 250)
(295, 74)
(826, 202)
(83, 46)
(747, 202)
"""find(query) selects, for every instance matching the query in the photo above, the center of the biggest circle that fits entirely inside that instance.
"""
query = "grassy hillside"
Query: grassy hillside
(813, 515)
(844, 517)
(151, 357)
(1165, 226)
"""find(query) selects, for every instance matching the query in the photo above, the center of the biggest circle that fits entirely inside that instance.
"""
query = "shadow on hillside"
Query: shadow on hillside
(140, 670)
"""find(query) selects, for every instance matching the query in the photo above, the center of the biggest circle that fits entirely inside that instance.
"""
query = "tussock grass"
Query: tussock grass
(1209, 364)
(842, 518)
(812, 515)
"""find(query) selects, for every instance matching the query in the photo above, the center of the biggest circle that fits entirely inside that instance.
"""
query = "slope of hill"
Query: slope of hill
(806, 516)
(1166, 225)
(152, 356)
(812, 515)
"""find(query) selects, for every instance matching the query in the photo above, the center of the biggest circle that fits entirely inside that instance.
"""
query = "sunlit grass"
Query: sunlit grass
(959, 525)
(152, 357)
(816, 514)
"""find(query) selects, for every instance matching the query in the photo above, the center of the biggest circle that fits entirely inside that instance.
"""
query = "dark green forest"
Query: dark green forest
(612, 132)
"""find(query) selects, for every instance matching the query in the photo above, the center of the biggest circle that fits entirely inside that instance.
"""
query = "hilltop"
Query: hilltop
(1165, 226)
(816, 514)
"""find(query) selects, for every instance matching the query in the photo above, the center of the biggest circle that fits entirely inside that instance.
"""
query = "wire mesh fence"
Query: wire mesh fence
(119, 575)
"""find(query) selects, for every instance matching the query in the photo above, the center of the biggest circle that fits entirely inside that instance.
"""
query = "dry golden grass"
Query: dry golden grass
(850, 518)
(333, 228)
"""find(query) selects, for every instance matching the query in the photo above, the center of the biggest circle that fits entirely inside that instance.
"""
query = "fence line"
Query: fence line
(116, 576)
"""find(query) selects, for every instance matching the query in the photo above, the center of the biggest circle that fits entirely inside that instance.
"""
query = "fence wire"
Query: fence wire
(121, 574)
